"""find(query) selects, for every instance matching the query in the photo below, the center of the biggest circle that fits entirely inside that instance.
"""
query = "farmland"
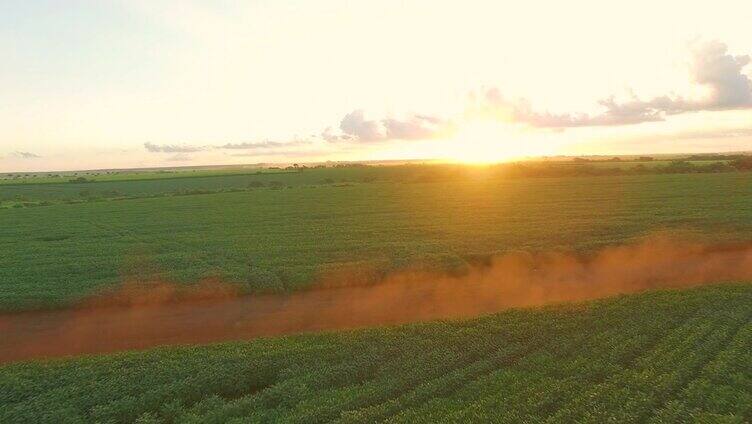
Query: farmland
(658, 356)
(664, 356)
(285, 236)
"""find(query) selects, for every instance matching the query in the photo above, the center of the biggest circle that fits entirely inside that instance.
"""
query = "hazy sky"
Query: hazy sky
(124, 83)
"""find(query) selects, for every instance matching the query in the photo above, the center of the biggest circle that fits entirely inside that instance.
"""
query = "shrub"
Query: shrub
(79, 180)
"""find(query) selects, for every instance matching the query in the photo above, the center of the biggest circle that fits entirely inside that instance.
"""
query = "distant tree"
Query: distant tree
(742, 164)
(79, 180)
(639, 168)
(679, 166)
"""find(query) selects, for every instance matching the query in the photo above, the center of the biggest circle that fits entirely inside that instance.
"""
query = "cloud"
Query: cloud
(331, 135)
(722, 74)
(355, 126)
(719, 74)
(631, 112)
(261, 145)
(710, 67)
(25, 155)
(183, 148)
(173, 148)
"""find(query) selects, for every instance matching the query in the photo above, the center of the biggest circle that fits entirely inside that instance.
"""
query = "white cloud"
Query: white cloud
(25, 155)
(173, 148)
(259, 148)
(711, 68)
(719, 74)
(723, 75)
(331, 135)
(261, 145)
(355, 126)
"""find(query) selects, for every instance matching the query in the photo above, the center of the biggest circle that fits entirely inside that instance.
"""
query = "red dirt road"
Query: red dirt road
(511, 280)
(87, 331)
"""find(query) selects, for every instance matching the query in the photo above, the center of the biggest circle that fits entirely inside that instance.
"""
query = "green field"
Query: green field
(276, 239)
(659, 357)
(159, 185)
(663, 356)
(125, 174)
(44, 189)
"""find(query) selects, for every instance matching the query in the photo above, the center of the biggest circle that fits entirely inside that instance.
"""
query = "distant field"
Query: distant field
(122, 175)
(282, 235)
(187, 182)
(659, 357)
(40, 189)
(648, 164)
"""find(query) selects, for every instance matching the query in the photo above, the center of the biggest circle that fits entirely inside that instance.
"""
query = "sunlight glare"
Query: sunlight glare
(481, 142)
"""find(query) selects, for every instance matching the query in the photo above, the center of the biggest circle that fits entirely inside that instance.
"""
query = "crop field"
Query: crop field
(26, 190)
(166, 184)
(281, 239)
(657, 357)
(22, 178)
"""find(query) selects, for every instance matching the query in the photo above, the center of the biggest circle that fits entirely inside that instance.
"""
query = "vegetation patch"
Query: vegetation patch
(666, 356)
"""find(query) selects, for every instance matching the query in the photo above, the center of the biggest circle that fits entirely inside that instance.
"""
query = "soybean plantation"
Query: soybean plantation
(282, 239)
(658, 357)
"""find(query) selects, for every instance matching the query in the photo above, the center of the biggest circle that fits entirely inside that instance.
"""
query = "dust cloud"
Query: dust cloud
(138, 316)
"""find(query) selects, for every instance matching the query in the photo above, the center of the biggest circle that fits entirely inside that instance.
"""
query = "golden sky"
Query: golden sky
(130, 83)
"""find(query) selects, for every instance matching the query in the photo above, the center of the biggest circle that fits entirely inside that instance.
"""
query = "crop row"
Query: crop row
(660, 356)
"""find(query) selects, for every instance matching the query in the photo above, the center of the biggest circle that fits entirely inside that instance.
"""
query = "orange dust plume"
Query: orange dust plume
(142, 316)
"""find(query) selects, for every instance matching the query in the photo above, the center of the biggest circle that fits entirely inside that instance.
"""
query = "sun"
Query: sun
(482, 142)
(476, 142)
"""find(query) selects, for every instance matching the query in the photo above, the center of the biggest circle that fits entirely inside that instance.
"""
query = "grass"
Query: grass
(656, 357)
(282, 239)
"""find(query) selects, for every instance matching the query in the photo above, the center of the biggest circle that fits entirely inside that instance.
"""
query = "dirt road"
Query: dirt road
(509, 280)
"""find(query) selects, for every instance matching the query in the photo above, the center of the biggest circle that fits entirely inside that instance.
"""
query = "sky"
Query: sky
(92, 84)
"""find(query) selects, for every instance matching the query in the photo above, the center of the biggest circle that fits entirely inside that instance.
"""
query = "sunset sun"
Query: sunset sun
(482, 141)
